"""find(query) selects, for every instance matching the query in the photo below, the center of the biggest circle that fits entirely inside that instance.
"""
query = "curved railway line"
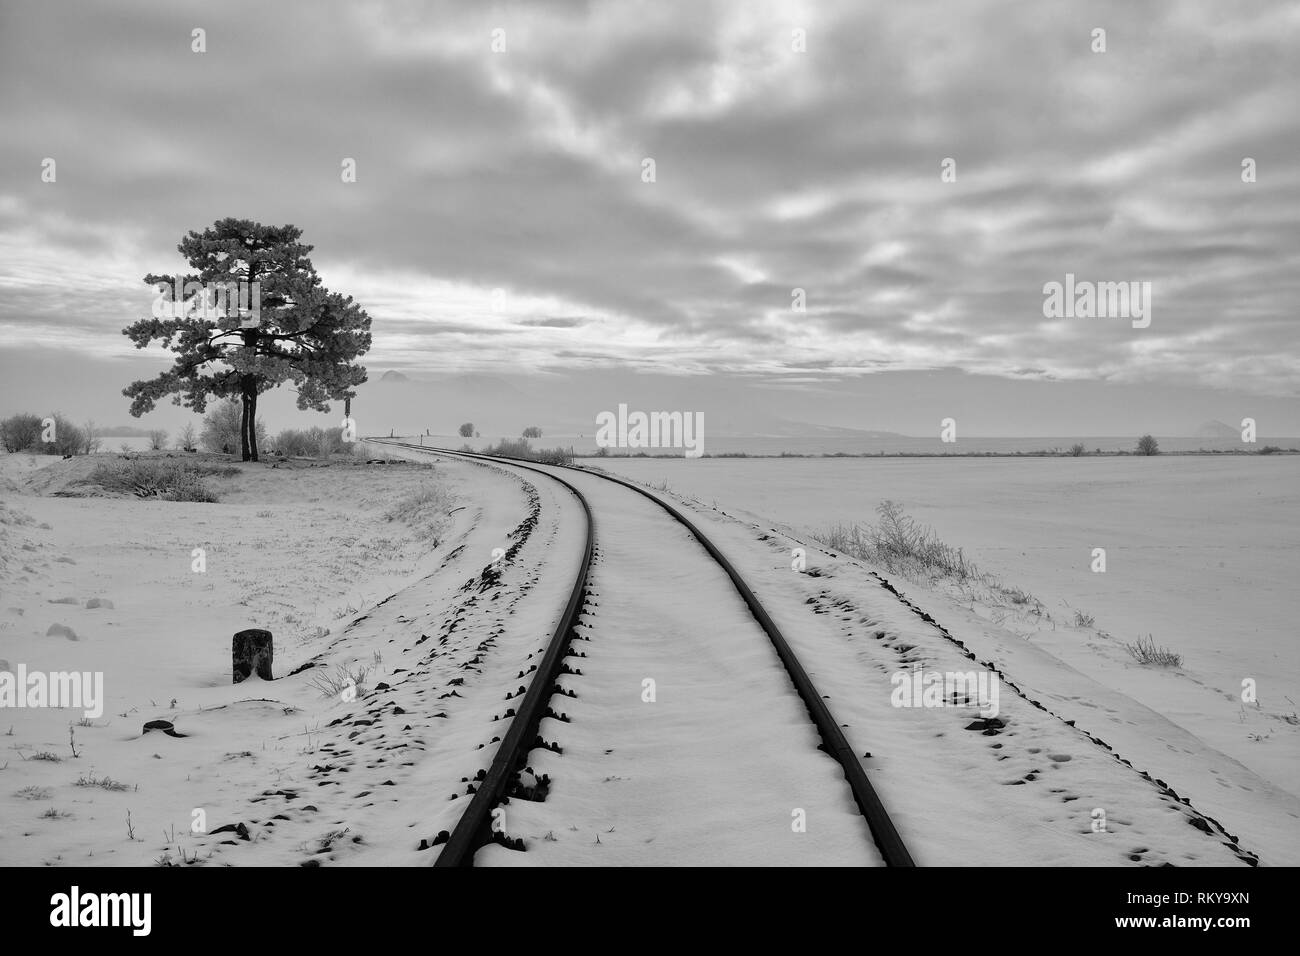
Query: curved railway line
(473, 830)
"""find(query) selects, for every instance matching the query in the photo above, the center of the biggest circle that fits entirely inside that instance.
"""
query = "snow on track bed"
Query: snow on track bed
(722, 766)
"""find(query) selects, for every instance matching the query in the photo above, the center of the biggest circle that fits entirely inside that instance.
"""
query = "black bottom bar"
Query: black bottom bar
(375, 908)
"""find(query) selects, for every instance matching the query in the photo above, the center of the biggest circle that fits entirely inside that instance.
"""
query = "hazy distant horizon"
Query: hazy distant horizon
(906, 403)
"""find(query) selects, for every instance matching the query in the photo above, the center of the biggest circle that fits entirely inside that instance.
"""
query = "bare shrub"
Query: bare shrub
(20, 432)
(901, 544)
(510, 448)
(342, 678)
(68, 438)
(26, 432)
(520, 448)
(1145, 651)
(221, 428)
(164, 479)
(310, 442)
(91, 442)
(554, 456)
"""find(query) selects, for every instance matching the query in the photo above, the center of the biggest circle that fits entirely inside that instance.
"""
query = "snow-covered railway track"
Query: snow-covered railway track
(729, 756)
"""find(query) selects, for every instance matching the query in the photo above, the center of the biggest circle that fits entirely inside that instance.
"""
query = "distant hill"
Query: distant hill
(1216, 429)
(754, 426)
(393, 376)
(836, 431)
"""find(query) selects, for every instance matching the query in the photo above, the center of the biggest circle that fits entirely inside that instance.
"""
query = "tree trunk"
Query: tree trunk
(248, 428)
(252, 423)
(243, 429)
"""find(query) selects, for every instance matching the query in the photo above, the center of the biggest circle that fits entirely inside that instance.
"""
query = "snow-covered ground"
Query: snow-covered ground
(448, 627)
(300, 551)
(1029, 789)
(1201, 554)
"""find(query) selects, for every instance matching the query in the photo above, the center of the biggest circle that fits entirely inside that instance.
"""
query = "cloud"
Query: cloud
(776, 170)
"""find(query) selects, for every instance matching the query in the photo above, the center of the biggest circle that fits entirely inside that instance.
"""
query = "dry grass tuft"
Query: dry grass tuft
(423, 510)
(1145, 651)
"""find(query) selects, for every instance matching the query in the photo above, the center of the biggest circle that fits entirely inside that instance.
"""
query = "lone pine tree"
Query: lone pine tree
(286, 326)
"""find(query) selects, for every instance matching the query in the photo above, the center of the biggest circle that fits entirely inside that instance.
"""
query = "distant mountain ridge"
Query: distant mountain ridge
(784, 428)
(1216, 429)
(123, 431)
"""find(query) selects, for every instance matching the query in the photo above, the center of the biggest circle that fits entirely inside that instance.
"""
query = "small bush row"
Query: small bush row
(314, 442)
(520, 448)
(27, 433)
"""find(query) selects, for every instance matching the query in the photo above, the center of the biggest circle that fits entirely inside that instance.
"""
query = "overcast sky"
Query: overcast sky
(775, 169)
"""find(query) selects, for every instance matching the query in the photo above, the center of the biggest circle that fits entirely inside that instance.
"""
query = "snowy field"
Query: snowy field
(387, 571)
(1201, 554)
(148, 594)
